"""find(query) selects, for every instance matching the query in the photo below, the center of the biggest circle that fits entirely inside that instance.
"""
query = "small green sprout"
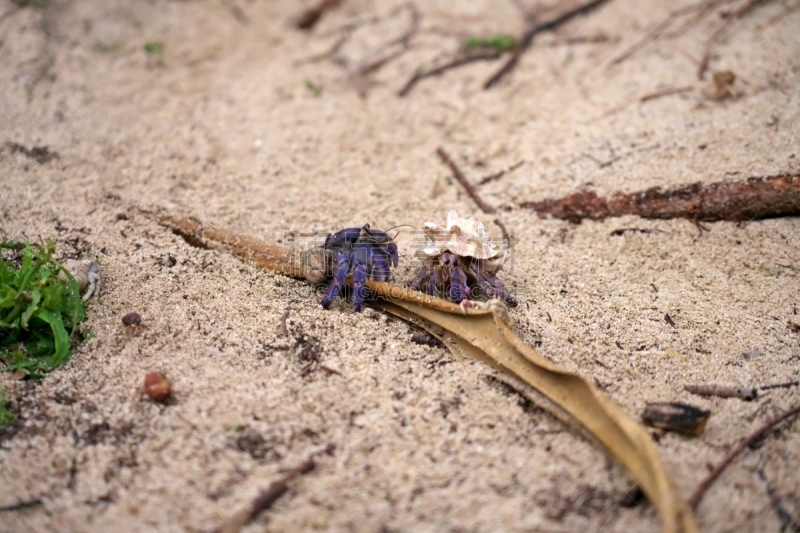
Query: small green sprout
(39, 312)
(502, 43)
(154, 48)
(315, 89)
(6, 418)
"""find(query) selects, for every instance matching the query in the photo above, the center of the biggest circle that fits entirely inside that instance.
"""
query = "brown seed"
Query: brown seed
(157, 386)
(132, 319)
(678, 417)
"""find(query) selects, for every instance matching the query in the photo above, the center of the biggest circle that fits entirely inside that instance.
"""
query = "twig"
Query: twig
(781, 385)
(368, 67)
(472, 57)
(21, 505)
(723, 391)
(775, 500)
(309, 18)
(658, 30)
(694, 501)
(665, 92)
(534, 29)
(743, 10)
(497, 175)
(459, 176)
(503, 230)
(752, 199)
(269, 496)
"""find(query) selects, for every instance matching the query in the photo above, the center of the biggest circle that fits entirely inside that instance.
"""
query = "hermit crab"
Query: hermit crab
(87, 273)
(363, 252)
(459, 263)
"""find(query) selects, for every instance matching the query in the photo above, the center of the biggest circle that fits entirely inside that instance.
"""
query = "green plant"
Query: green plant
(498, 42)
(153, 48)
(40, 309)
(6, 418)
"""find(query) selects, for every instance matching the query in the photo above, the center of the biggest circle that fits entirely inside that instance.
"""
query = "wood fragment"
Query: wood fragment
(534, 28)
(723, 391)
(459, 176)
(270, 495)
(678, 417)
(309, 18)
(697, 496)
(753, 199)
(787, 385)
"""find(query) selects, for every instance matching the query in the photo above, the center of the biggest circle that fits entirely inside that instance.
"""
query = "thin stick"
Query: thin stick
(743, 10)
(703, 7)
(497, 175)
(694, 501)
(368, 67)
(781, 385)
(459, 176)
(419, 75)
(534, 29)
(270, 495)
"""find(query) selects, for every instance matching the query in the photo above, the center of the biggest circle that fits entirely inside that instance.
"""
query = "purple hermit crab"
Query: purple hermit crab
(459, 263)
(364, 252)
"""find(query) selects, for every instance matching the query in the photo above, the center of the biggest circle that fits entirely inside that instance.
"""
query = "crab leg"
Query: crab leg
(380, 267)
(359, 279)
(458, 285)
(342, 262)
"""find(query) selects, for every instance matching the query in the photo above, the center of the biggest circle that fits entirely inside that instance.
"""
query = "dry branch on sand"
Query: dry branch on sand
(752, 199)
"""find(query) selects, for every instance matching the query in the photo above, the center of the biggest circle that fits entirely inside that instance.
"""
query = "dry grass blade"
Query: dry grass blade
(484, 334)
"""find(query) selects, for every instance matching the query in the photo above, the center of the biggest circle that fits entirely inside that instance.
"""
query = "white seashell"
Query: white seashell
(465, 237)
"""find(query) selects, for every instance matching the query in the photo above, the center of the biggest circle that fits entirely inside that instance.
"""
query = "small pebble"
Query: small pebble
(157, 386)
(132, 319)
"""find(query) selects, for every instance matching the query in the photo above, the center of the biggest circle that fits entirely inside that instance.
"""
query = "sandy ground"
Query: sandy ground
(224, 126)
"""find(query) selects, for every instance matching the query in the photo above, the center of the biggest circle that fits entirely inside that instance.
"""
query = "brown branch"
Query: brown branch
(270, 495)
(664, 92)
(459, 176)
(309, 18)
(752, 199)
(743, 10)
(534, 29)
(694, 501)
(497, 175)
(471, 57)
(787, 385)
